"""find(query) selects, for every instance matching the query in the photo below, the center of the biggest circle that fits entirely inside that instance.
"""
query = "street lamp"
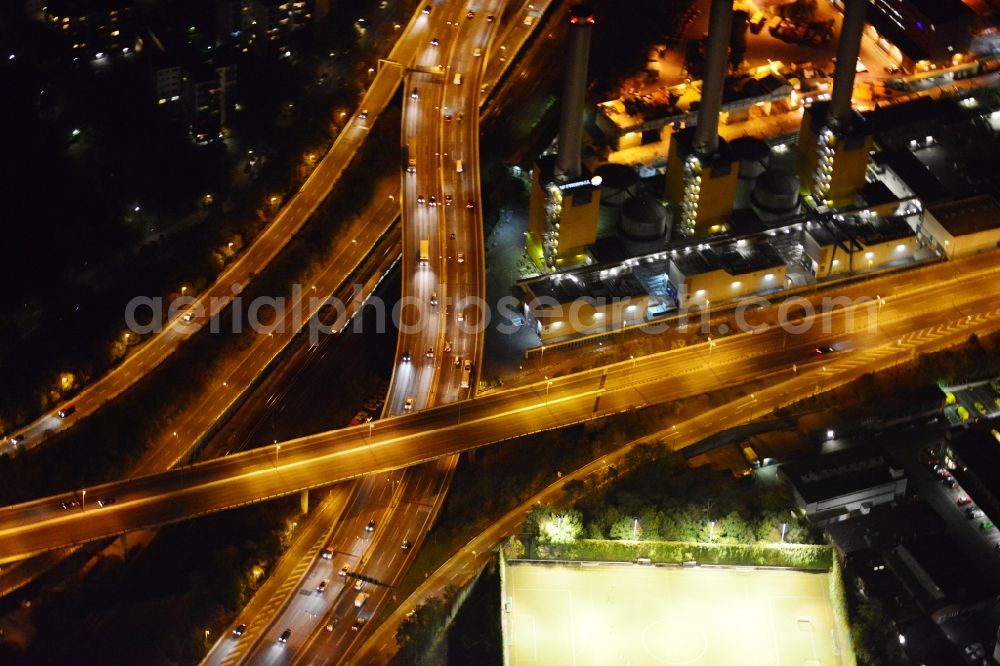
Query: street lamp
(635, 527)
(83, 499)
(548, 383)
(784, 528)
(711, 530)
(277, 450)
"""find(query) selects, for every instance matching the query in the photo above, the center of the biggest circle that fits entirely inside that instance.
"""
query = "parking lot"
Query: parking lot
(971, 402)
(615, 614)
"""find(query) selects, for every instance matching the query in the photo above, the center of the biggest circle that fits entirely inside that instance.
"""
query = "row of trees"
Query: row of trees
(664, 500)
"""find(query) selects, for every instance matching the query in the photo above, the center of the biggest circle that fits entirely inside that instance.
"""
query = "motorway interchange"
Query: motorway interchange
(380, 518)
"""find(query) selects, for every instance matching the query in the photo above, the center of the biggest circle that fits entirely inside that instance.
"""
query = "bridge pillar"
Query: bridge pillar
(304, 501)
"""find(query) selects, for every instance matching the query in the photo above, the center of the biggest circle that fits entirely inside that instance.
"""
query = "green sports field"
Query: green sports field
(613, 614)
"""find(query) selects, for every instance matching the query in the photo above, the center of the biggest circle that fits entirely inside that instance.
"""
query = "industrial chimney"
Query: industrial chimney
(571, 121)
(835, 140)
(848, 48)
(720, 21)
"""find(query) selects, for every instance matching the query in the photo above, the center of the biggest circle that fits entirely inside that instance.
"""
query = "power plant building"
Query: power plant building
(565, 198)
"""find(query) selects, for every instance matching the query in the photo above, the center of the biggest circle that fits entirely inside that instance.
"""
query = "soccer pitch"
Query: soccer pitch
(614, 614)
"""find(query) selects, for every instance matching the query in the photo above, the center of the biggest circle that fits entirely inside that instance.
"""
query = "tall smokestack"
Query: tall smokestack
(571, 123)
(839, 111)
(720, 22)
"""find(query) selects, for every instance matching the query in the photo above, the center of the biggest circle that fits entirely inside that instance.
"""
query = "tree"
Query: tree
(562, 527)
(627, 529)
(513, 548)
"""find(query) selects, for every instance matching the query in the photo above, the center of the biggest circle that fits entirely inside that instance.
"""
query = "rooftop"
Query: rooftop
(839, 473)
(916, 175)
(968, 216)
(737, 258)
(596, 283)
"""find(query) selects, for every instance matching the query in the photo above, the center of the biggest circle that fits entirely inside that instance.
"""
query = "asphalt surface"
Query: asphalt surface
(927, 318)
(248, 264)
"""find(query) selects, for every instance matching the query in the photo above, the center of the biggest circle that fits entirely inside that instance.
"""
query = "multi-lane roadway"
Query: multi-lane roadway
(924, 318)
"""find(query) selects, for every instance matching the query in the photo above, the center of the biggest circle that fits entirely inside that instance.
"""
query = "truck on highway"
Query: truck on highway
(411, 155)
(425, 251)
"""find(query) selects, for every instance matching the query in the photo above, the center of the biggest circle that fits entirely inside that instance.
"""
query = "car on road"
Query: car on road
(432, 201)
(986, 525)
(414, 94)
(460, 316)
(363, 115)
(69, 504)
(408, 403)
(358, 584)
(321, 588)
(371, 526)
(285, 635)
(434, 41)
(434, 298)
(477, 52)
(461, 257)
(406, 357)
(107, 501)
(460, 117)
(360, 600)
(447, 117)
(426, 9)
(343, 571)
(407, 545)
(327, 553)
(980, 407)
(471, 203)
(16, 439)
(963, 500)
(448, 199)
(470, 15)
(892, 69)
(239, 630)
(974, 512)
(66, 411)
(489, 18)
(188, 316)
(447, 346)
(420, 199)
(429, 353)
(358, 623)
(825, 349)
(949, 483)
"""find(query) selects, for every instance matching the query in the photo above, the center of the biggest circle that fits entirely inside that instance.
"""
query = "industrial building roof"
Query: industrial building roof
(734, 258)
(839, 473)
(917, 177)
(607, 284)
(968, 216)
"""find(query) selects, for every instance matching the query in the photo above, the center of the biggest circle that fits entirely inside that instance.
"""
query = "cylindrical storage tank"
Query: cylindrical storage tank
(776, 192)
(618, 183)
(643, 218)
(753, 155)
